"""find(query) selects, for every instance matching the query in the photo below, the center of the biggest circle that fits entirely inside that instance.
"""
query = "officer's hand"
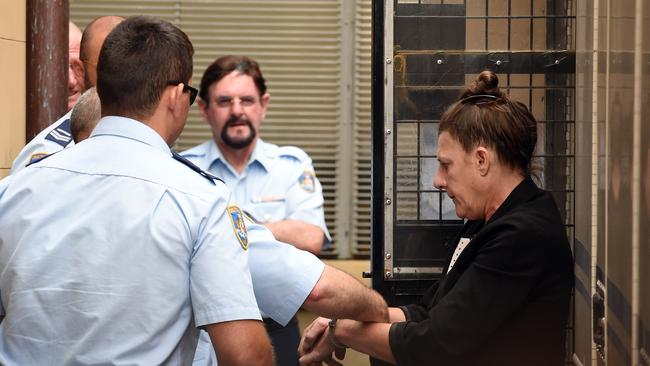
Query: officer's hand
(312, 334)
(323, 352)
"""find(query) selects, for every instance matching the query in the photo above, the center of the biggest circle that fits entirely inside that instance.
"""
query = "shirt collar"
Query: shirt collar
(131, 129)
(259, 155)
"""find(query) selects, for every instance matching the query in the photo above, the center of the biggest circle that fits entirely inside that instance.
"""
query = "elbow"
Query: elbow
(315, 241)
(316, 296)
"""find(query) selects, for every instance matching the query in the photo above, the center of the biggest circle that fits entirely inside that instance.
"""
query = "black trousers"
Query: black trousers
(285, 341)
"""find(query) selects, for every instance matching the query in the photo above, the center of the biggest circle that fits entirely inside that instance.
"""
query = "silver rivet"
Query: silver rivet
(498, 62)
(557, 62)
(439, 62)
(388, 201)
(388, 131)
(389, 61)
(388, 274)
(388, 255)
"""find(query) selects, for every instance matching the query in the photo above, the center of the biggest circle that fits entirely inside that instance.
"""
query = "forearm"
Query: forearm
(339, 295)
(300, 234)
(241, 342)
(368, 338)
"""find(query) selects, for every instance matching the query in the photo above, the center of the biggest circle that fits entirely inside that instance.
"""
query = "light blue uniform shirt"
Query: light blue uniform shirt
(113, 252)
(277, 184)
(283, 276)
(52, 139)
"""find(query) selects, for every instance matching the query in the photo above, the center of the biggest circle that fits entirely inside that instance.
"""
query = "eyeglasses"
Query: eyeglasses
(186, 88)
(227, 101)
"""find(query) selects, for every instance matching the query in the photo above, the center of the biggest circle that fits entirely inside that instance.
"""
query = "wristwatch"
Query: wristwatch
(335, 342)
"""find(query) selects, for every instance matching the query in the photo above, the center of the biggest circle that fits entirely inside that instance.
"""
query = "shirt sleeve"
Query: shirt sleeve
(283, 276)
(488, 292)
(220, 283)
(305, 198)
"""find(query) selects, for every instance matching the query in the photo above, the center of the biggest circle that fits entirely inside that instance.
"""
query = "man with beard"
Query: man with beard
(274, 185)
(57, 136)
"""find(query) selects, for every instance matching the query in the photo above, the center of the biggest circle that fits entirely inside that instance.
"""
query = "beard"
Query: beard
(239, 143)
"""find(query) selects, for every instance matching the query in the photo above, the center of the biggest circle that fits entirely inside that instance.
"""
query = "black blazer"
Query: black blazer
(506, 299)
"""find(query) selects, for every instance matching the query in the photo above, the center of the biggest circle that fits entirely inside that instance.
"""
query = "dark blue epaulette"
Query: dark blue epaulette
(192, 166)
(61, 134)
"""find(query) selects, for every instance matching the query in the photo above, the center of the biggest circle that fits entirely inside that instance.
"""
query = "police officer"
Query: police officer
(275, 185)
(57, 136)
(115, 251)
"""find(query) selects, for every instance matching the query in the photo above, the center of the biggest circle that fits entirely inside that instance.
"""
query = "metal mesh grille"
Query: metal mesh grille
(438, 48)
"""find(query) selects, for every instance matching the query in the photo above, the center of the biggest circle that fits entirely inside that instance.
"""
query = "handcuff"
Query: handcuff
(332, 338)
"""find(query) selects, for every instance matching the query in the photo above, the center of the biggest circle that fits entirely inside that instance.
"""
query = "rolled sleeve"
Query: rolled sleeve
(283, 276)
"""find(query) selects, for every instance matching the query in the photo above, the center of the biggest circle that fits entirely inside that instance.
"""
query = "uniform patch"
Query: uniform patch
(237, 220)
(36, 157)
(307, 181)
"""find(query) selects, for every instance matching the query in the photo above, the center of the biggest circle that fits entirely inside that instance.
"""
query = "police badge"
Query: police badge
(237, 220)
(306, 181)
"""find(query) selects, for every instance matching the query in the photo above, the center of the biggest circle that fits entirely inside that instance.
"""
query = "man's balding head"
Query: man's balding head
(75, 69)
(91, 43)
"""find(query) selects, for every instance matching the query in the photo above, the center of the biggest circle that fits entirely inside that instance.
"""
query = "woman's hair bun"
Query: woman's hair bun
(487, 83)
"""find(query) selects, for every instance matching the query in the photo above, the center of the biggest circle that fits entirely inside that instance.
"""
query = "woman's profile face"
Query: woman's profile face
(458, 175)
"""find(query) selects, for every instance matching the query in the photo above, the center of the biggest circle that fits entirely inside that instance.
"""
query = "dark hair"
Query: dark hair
(137, 61)
(485, 115)
(227, 64)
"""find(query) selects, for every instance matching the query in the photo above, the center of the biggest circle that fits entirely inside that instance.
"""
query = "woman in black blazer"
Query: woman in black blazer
(504, 298)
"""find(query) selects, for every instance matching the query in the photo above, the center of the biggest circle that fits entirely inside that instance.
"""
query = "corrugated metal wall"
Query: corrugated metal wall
(315, 56)
(613, 181)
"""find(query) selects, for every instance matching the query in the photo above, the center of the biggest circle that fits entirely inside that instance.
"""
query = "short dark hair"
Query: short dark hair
(137, 61)
(485, 115)
(227, 64)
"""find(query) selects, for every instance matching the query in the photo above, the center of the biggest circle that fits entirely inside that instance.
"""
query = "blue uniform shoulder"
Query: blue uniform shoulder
(192, 166)
(198, 150)
(61, 134)
(293, 152)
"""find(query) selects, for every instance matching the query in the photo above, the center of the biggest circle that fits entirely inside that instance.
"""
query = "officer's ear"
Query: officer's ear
(264, 101)
(203, 106)
(176, 99)
(78, 71)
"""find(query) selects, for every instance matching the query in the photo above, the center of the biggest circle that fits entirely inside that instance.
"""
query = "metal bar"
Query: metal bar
(470, 17)
(509, 29)
(636, 176)
(415, 270)
(389, 145)
(344, 184)
(47, 63)
(487, 31)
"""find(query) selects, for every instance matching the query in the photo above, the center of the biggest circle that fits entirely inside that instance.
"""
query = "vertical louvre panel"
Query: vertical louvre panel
(83, 11)
(362, 150)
